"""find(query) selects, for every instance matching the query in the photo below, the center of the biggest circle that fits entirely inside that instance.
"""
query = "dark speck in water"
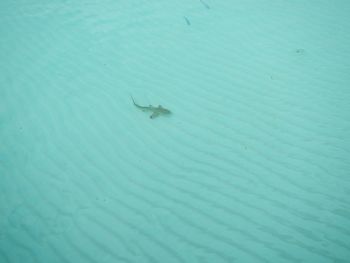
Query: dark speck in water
(187, 21)
(205, 4)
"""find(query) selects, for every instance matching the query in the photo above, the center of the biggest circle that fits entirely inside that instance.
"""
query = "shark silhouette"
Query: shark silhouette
(156, 111)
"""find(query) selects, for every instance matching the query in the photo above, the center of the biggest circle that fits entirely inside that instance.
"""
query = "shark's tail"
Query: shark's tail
(133, 100)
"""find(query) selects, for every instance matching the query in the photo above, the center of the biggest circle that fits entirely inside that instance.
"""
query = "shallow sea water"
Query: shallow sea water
(252, 165)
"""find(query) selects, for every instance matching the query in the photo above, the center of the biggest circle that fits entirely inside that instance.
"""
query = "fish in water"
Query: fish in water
(187, 21)
(156, 111)
(205, 4)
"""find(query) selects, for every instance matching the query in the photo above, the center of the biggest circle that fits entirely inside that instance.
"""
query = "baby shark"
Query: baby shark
(156, 111)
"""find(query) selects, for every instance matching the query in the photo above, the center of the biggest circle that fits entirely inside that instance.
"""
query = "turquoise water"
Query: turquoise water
(252, 165)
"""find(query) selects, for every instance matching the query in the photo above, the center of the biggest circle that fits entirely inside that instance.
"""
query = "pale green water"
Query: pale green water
(252, 165)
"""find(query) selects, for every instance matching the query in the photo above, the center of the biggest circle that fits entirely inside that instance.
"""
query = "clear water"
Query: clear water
(252, 165)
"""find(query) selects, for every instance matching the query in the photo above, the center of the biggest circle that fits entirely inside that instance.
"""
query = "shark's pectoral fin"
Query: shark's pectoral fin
(154, 114)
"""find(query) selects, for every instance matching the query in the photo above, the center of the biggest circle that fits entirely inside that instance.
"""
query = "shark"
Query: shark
(156, 111)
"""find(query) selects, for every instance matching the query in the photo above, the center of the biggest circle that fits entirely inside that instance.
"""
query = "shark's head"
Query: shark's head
(163, 110)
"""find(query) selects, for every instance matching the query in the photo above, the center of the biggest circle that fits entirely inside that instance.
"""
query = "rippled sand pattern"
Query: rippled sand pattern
(253, 164)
